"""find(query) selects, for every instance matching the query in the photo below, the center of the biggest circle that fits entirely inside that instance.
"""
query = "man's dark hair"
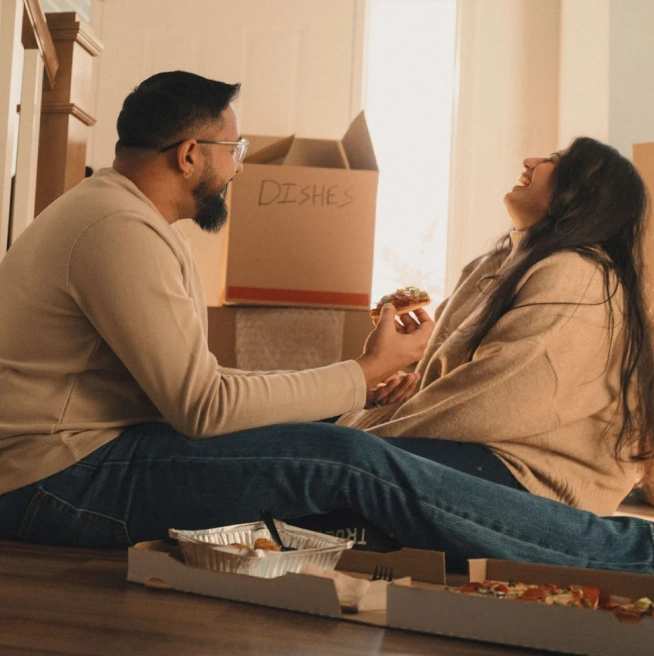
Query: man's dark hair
(171, 106)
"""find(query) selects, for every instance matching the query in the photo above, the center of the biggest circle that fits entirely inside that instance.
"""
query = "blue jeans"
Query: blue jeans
(152, 478)
(468, 457)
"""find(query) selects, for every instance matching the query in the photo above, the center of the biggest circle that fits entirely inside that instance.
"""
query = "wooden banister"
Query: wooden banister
(55, 99)
(66, 108)
(36, 35)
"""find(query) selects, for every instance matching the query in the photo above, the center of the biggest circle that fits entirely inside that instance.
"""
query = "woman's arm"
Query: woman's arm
(545, 362)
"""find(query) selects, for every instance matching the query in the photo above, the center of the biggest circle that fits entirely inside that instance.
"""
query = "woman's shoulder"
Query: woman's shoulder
(568, 276)
(565, 263)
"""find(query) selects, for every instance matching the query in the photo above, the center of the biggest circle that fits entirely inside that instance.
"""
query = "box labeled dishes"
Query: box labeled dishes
(302, 222)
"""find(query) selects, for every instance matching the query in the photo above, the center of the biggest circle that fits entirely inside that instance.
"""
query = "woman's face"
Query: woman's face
(528, 202)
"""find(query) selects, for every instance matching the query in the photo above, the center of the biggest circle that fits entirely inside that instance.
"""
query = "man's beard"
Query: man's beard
(211, 209)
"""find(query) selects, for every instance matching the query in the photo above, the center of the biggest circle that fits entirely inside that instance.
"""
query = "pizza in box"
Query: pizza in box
(576, 596)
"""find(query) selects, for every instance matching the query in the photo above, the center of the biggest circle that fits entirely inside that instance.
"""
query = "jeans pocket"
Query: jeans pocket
(51, 520)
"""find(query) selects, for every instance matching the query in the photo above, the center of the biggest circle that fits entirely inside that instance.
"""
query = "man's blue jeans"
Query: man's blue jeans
(152, 478)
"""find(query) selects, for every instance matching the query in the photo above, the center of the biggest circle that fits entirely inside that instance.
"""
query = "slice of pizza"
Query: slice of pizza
(404, 300)
(627, 610)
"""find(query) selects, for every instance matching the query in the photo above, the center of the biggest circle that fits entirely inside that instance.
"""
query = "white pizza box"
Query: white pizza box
(158, 565)
(554, 628)
(426, 606)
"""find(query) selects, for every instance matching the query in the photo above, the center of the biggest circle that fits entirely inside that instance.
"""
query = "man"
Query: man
(117, 423)
(104, 324)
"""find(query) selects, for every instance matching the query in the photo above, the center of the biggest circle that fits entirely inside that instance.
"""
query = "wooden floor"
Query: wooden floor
(73, 601)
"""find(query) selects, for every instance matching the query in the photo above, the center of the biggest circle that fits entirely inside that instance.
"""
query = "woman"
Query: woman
(539, 373)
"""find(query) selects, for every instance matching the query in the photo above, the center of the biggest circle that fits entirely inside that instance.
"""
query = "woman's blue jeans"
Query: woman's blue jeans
(151, 478)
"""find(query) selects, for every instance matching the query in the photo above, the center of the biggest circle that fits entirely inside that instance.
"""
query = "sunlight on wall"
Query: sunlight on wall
(409, 110)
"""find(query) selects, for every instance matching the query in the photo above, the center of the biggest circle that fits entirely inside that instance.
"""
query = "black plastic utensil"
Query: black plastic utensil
(274, 533)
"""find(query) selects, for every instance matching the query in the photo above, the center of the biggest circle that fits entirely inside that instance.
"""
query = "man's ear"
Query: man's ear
(188, 154)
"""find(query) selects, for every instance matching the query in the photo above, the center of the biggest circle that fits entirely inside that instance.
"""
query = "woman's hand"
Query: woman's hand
(395, 389)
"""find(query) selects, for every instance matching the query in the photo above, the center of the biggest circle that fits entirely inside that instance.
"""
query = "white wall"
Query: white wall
(300, 62)
(584, 70)
(631, 73)
(607, 63)
(506, 110)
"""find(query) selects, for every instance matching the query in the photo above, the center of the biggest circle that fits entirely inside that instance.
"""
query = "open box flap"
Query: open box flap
(358, 145)
(268, 150)
(419, 564)
(320, 153)
(617, 583)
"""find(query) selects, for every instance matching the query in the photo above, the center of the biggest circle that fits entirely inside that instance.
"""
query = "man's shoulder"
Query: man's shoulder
(108, 192)
(105, 200)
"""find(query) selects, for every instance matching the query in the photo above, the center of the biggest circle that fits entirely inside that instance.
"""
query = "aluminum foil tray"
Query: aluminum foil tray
(210, 549)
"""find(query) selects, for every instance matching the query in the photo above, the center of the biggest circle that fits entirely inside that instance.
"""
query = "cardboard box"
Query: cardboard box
(302, 222)
(210, 253)
(643, 158)
(537, 626)
(426, 606)
(157, 565)
(222, 334)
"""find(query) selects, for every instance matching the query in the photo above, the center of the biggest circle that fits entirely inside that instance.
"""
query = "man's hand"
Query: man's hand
(395, 389)
(395, 343)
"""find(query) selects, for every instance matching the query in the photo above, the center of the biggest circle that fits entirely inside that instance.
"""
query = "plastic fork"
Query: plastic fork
(272, 528)
(382, 573)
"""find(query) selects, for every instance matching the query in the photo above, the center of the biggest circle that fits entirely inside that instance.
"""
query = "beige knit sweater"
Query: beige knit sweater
(103, 324)
(541, 390)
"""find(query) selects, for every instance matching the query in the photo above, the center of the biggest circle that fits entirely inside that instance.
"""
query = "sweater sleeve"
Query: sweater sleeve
(132, 286)
(527, 374)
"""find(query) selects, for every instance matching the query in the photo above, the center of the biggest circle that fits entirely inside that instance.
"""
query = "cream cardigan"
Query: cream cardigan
(541, 391)
(103, 324)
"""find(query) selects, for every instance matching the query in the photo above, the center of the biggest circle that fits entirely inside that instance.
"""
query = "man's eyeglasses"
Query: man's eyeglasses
(238, 153)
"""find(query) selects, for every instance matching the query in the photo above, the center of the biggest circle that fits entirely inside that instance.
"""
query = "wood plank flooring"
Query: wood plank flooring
(60, 601)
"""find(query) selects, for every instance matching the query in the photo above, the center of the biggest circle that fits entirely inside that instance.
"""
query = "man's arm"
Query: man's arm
(136, 296)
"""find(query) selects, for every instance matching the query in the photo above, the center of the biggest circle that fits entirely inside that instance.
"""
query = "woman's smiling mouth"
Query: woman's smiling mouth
(524, 180)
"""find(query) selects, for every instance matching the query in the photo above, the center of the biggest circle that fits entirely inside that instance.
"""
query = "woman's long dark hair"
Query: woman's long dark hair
(598, 209)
